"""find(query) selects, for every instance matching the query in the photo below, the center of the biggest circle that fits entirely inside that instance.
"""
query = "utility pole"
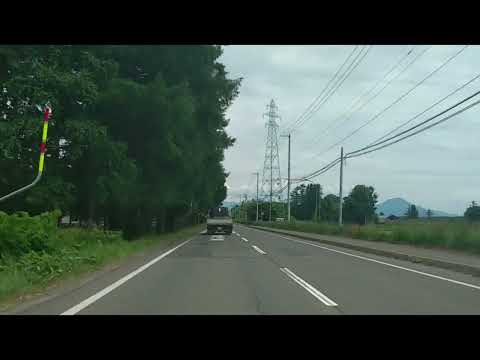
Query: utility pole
(246, 208)
(288, 184)
(240, 209)
(340, 219)
(288, 179)
(319, 203)
(256, 173)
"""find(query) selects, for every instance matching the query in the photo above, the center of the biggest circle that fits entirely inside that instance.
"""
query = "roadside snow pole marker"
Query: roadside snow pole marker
(43, 147)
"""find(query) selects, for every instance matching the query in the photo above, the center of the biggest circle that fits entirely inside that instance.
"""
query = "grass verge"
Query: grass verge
(454, 234)
(72, 252)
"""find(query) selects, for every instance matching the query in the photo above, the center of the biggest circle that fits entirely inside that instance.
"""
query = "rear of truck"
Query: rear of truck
(219, 221)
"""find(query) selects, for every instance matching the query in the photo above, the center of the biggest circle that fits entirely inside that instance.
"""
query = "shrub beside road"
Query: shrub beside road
(34, 252)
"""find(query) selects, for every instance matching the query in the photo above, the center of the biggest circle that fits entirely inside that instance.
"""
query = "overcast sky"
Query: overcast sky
(437, 169)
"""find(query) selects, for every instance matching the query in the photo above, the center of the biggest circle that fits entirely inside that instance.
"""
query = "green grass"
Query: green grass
(449, 234)
(72, 252)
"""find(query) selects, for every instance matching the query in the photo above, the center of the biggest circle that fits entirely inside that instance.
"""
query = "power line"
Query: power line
(421, 130)
(323, 170)
(362, 151)
(369, 149)
(373, 97)
(427, 109)
(371, 89)
(344, 76)
(324, 89)
(393, 68)
(315, 173)
(355, 63)
(396, 101)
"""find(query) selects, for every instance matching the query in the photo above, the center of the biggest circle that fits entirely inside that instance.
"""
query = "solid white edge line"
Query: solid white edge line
(244, 239)
(259, 250)
(383, 263)
(87, 302)
(312, 290)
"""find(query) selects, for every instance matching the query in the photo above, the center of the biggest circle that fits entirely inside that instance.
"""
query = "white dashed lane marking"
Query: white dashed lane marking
(309, 288)
(217, 238)
(257, 249)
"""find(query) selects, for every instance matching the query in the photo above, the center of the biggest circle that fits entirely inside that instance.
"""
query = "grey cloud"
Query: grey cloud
(417, 169)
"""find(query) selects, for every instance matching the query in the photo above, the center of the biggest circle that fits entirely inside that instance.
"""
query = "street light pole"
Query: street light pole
(240, 209)
(256, 173)
(340, 213)
(246, 208)
(288, 184)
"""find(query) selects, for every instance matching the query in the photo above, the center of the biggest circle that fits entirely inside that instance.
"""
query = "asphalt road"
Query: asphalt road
(257, 272)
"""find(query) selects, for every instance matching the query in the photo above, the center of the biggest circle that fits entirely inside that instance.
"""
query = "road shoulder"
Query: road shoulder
(105, 275)
(467, 264)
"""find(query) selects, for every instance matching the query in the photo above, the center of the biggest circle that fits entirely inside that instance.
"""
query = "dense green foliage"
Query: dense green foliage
(248, 211)
(329, 208)
(305, 201)
(137, 135)
(20, 233)
(412, 212)
(34, 251)
(359, 205)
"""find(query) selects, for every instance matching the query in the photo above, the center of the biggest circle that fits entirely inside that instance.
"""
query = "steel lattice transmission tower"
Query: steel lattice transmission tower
(271, 181)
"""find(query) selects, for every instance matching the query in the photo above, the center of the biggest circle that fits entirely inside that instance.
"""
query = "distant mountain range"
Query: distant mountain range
(399, 207)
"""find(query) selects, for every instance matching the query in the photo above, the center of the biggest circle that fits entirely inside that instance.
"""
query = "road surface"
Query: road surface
(257, 272)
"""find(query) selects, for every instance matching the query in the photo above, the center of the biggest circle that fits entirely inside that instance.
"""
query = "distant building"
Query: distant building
(392, 217)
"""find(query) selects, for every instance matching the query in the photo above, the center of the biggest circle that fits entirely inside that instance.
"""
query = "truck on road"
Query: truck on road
(219, 221)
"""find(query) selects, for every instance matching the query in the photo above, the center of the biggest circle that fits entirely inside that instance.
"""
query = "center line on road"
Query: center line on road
(259, 250)
(75, 309)
(309, 288)
(244, 239)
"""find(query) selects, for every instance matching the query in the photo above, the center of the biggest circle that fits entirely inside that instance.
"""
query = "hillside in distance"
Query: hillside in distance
(399, 206)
